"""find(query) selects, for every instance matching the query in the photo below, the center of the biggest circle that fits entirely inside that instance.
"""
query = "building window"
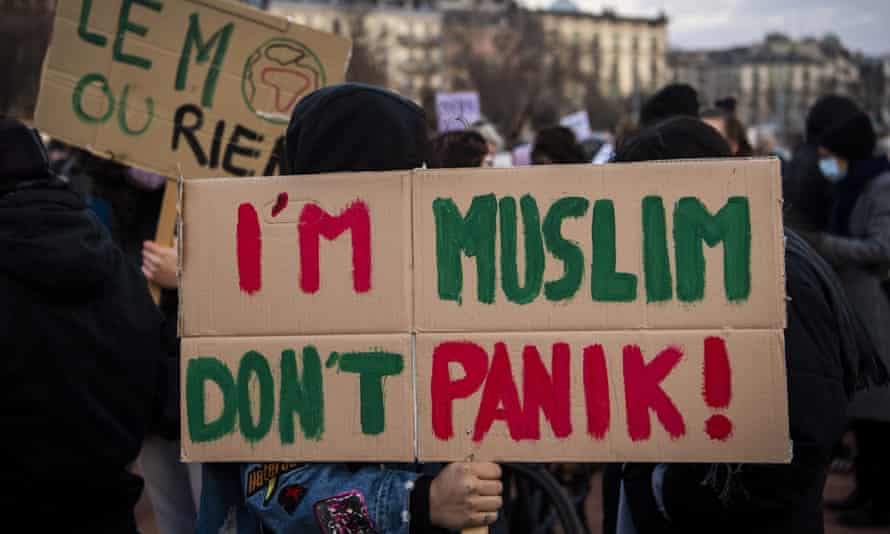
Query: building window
(336, 28)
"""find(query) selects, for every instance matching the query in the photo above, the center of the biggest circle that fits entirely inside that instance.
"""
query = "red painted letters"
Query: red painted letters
(642, 391)
(316, 222)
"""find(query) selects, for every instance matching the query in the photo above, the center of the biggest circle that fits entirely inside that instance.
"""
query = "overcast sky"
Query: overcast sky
(861, 24)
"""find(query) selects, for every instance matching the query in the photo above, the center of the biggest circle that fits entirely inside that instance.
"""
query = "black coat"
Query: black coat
(825, 360)
(85, 365)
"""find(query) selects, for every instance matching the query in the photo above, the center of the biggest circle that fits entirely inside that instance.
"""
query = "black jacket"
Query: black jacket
(84, 362)
(828, 357)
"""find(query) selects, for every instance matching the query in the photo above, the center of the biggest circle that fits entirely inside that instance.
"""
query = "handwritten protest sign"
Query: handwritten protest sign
(573, 313)
(457, 111)
(579, 123)
(201, 87)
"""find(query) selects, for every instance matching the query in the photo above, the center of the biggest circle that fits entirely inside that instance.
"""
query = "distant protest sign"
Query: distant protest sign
(579, 123)
(199, 87)
(457, 111)
(626, 312)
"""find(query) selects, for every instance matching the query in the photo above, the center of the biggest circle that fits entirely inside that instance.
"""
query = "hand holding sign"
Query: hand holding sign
(466, 495)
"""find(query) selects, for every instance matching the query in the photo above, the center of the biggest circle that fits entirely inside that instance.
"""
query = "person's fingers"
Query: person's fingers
(486, 504)
(486, 470)
(481, 519)
(489, 487)
(152, 246)
(151, 257)
(148, 273)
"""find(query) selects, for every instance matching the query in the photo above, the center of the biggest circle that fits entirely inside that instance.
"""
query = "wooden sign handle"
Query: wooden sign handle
(475, 530)
(166, 227)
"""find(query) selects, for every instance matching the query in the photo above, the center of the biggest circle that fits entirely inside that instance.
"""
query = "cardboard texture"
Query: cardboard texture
(672, 325)
(757, 407)
(336, 428)
(219, 297)
(626, 186)
(202, 85)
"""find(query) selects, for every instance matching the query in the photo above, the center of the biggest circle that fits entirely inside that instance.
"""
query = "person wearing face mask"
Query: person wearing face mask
(857, 244)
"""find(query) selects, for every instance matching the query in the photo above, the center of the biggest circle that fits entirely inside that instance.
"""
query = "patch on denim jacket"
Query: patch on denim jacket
(345, 513)
(265, 476)
(291, 497)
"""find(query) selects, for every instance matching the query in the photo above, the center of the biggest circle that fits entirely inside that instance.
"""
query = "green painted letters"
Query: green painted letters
(731, 226)
(561, 248)
(124, 25)
(94, 38)
(605, 284)
(198, 373)
(219, 40)
(371, 368)
(122, 113)
(534, 250)
(475, 236)
(656, 265)
(254, 364)
(77, 99)
(303, 397)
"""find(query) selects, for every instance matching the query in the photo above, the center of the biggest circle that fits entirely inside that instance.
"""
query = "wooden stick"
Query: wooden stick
(475, 530)
(166, 227)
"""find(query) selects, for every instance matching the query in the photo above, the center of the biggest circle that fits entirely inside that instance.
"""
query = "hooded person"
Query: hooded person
(829, 358)
(807, 192)
(85, 367)
(672, 100)
(857, 244)
(352, 127)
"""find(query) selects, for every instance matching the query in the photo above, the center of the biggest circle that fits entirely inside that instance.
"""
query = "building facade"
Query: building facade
(618, 56)
(774, 82)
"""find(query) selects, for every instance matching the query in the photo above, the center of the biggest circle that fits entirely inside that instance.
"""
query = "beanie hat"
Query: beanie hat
(677, 99)
(22, 154)
(852, 138)
(827, 111)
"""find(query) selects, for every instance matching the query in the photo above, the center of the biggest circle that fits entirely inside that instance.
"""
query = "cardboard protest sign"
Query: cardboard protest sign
(314, 254)
(569, 313)
(201, 87)
(457, 111)
(652, 245)
(579, 123)
(307, 398)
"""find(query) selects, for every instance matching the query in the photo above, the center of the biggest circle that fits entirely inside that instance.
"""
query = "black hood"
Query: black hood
(355, 127)
(50, 241)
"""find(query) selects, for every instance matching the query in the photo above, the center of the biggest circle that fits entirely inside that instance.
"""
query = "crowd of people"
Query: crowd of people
(91, 403)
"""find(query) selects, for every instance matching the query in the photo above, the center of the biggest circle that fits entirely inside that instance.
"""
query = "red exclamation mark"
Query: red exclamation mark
(718, 387)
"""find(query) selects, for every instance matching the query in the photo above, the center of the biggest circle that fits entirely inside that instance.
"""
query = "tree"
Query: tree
(364, 65)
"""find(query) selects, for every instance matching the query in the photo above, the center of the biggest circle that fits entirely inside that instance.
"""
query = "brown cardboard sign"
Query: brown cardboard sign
(298, 398)
(604, 247)
(296, 255)
(645, 395)
(202, 85)
(627, 312)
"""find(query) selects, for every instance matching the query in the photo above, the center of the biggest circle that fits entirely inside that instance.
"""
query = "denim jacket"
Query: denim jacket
(323, 498)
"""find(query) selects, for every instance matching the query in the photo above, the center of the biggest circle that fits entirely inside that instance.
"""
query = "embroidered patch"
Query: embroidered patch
(291, 497)
(265, 476)
(344, 514)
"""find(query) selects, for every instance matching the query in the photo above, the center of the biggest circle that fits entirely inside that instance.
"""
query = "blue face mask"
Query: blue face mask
(831, 170)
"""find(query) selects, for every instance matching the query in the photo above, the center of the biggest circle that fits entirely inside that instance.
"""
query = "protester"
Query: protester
(460, 148)
(731, 128)
(557, 144)
(857, 243)
(828, 357)
(85, 367)
(806, 190)
(673, 100)
(174, 487)
(385, 132)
